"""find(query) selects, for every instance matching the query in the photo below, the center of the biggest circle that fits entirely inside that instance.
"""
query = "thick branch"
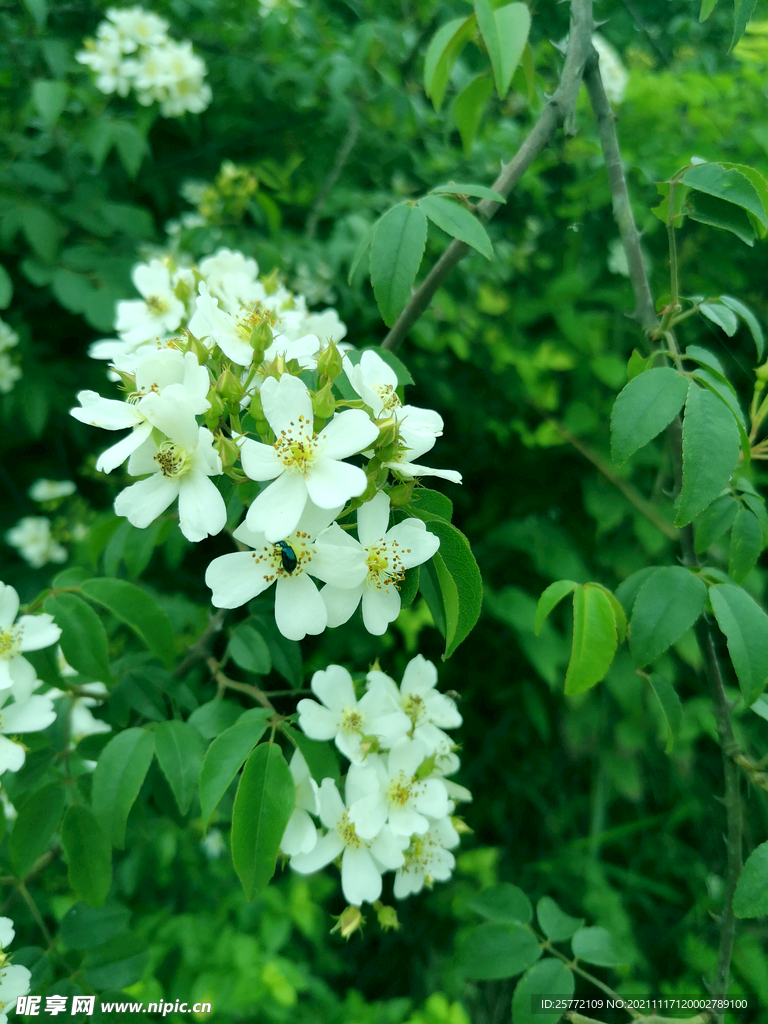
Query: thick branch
(560, 110)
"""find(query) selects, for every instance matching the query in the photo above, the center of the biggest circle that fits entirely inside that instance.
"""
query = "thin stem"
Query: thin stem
(573, 966)
(560, 110)
(200, 650)
(353, 128)
(232, 684)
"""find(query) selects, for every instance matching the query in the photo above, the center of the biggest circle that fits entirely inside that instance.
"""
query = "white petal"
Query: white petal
(350, 745)
(338, 559)
(368, 815)
(143, 502)
(362, 780)
(317, 722)
(347, 434)
(11, 755)
(9, 605)
(373, 519)
(415, 543)
(173, 416)
(327, 848)
(360, 878)
(334, 688)
(331, 805)
(118, 453)
(387, 848)
(340, 603)
(7, 932)
(259, 461)
(404, 821)
(107, 413)
(277, 510)
(381, 605)
(142, 461)
(332, 483)
(33, 715)
(202, 512)
(38, 631)
(432, 798)
(420, 676)
(406, 756)
(409, 470)
(236, 578)
(285, 403)
(300, 835)
(299, 609)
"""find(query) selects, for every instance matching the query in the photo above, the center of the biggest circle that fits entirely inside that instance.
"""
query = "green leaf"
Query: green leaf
(707, 6)
(39, 11)
(131, 146)
(249, 650)
(460, 582)
(749, 319)
(619, 614)
(442, 53)
(636, 365)
(721, 315)
(549, 979)
(396, 252)
(179, 749)
(751, 896)
(706, 209)
(757, 506)
(594, 639)
(746, 544)
(285, 654)
(729, 185)
(504, 903)
(551, 597)
(6, 288)
(679, 197)
(644, 408)
(745, 626)
(320, 757)
(554, 922)
(223, 760)
(468, 108)
(139, 611)
(116, 964)
(84, 927)
(49, 98)
(505, 33)
(458, 222)
(705, 358)
(490, 951)
(710, 451)
(362, 249)
(595, 946)
(38, 821)
(743, 10)
(670, 705)
(213, 718)
(668, 603)
(88, 853)
(83, 637)
(454, 189)
(264, 802)
(117, 779)
(627, 591)
(433, 502)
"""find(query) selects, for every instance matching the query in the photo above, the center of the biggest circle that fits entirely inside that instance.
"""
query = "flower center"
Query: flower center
(346, 830)
(399, 789)
(157, 305)
(173, 460)
(414, 707)
(10, 642)
(388, 396)
(384, 565)
(352, 720)
(297, 447)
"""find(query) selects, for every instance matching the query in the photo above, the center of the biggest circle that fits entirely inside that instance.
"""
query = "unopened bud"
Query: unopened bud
(762, 373)
(323, 402)
(461, 826)
(329, 362)
(270, 282)
(228, 450)
(260, 340)
(387, 917)
(183, 290)
(349, 921)
(387, 432)
(276, 368)
(401, 494)
(196, 346)
(128, 379)
(214, 414)
(230, 388)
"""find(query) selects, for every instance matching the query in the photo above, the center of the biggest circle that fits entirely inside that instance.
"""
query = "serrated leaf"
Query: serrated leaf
(139, 611)
(595, 946)
(468, 108)
(38, 820)
(729, 185)
(707, 359)
(505, 33)
(480, 191)
(706, 209)
(554, 922)
(458, 222)
(490, 951)
(751, 896)
(644, 408)
(670, 705)
(264, 802)
(504, 903)
(548, 979)
(442, 53)
(746, 544)
(455, 562)
(435, 503)
(618, 612)
(83, 637)
(714, 522)
(636, 364)
(362, 250)
(551, 597)
(721, 315)
(679, 197)
(89, 855)
(749, 319)
(627, 591)
(594, 639)
(223, 761)
(668, 603)
(710, 451)
(120, 771)
(179, 750)
(757, 506)
(396, 253)
(745, 626)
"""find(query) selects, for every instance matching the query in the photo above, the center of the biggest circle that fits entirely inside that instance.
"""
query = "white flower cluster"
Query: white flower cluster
(230, 360)
(132, 51)
(397, 810)
(33, 536)
(14, 979)
(21, 709)
(10, 372)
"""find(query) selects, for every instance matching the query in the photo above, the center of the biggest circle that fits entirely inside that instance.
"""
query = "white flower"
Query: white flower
(8, 337)
(14, 982)
(413, 446)
(7, 932)
(9, 374)
(386, 789)
(388, 553)
(314, 548)
(233, 279)
(326, 325)
(138, 27)
(48, 490)
(170, 392)
(427, 859)
(29, 633)
(31, 537)
(302, 464)
(300, 834)
(160, 310)
(29, 712)
(375, 382)
(180, 468)
(428, 710)
(362, 861)
(231, 333)
(346, 720)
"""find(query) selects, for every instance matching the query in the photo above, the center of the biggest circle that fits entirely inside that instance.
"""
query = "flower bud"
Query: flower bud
(329, 363)
(401, 494)
(196, 346)
(461, 826)
(260, 340)
(128, 379)
(228, 450)
(230, 388)
(270, 281)
(387, 917)
(387, 432)
(216, 411)
(323, 402)
(762, 373)
(349, 921)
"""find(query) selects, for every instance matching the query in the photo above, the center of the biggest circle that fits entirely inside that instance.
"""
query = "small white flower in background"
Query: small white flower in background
(28, 712)
(157, 312)
(32, 538)
(386, 789)
(171, 390)
(300, 834)
(14, 979)
(81, 721)
(231, 333)
(233, 279)
(49, 490)
(29, 633)
(362, 861)
(374, 380)
(304, 466)
(8, 337)
(346, 720)
(213, 844)
(137, 27)
(413, 446)
(181, 467)
(313, 549)
(427, 859)
(388, 553)
(613, 73)
(10, 374)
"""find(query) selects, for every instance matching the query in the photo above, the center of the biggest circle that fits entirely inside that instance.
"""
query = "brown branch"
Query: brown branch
(560, 110)
(232, 684)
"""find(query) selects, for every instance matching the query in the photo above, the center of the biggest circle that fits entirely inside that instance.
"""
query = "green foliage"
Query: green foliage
(89, 855)
(490, 951)
(548, 978)
(644, 408)
(751, 897)
(668, 603)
